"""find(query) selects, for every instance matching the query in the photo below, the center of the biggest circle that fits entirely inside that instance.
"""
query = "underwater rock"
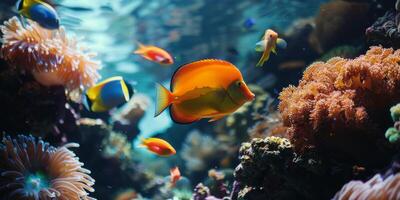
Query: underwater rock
(127, 119)
(51, 57)
(201, 152)
(33, 169)
(333, 27)
(385, 30)
(34, 108)
(342, 101)
(344, 51)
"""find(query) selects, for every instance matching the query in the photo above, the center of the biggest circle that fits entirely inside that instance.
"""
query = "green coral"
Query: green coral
(395, 112)
(393, 133)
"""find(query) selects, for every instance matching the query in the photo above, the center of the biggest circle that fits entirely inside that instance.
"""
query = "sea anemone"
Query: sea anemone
(375, 188)
(51, 57)
(343, 101)
(32, 169)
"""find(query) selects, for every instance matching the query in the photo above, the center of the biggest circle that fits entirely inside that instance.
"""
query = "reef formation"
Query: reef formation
(342, 101)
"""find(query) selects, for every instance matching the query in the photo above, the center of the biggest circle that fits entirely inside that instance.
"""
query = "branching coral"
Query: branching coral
(32, 169)
(375, 188)
(50, 56)
(342, 101)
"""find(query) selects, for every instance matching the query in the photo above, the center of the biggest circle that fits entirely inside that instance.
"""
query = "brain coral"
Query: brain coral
(50, 56)
(342, 101)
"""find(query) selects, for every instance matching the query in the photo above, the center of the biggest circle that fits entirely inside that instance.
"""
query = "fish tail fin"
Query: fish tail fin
(140, 48)
(262, 60)
(163, 99)
(142, 143)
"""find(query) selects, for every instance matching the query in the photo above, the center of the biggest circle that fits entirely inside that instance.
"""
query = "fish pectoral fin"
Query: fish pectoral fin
(216, 118)
(274, 50)
(98, 107)
(281, 43)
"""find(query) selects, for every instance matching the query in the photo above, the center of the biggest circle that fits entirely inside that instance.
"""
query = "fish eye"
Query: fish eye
(239, 83)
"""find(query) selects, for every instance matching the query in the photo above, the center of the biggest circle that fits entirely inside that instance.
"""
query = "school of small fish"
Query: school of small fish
(208, 88)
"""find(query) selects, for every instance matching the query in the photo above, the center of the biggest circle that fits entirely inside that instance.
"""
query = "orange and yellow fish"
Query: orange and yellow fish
(158, 146)
(203, 89)
(175, 175)
(154, 54)
(267, 44)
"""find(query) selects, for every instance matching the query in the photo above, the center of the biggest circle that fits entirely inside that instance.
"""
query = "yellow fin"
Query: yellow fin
(262, 60)
(274, 50)
(163, 99)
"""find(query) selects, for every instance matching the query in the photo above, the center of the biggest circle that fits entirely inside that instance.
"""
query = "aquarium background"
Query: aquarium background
(269, 148)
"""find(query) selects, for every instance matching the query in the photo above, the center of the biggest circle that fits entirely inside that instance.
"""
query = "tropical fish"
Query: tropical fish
(268, 44)
(40, 12)
(158, 146)
(107, 94)
(249, 23)
(175, 176)
(203, 89)
(154, 54)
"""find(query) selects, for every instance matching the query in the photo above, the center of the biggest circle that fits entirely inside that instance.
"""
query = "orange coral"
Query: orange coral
(342, 96)
(51, 57)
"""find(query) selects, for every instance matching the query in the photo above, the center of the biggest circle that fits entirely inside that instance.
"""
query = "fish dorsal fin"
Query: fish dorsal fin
(197, 65)
(93, 92)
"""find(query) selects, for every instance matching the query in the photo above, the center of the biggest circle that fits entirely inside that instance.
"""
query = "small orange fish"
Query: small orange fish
(175, 176)
(158, 146)
(203, 89)
(268, 44)
(154, 54)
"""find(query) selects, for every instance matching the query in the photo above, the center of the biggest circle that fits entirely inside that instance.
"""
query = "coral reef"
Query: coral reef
(385, 30)
(127, 119)
(51, 57)
(32, 169)
(117, 146)
(332, 24)
(201, 152)
(344, 51)
(34, 108)
(269, 169)
(375, 188)
(342, 101)
(393, 133)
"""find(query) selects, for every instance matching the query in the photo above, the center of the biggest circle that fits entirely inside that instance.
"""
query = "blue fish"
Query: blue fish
(107, 94)
(40, 12)
(249, 23)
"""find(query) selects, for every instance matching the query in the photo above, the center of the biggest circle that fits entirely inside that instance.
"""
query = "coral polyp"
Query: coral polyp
(31, 169)
(50, 56)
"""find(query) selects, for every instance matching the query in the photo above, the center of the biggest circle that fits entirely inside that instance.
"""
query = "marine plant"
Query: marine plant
(50, 56)
(32, 169)
(342, 101)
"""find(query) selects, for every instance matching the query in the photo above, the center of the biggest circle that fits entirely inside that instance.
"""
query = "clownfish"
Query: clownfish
(154, 54)
(268, 44)
(40, 12)
(175, 175)
(158, 146)
(107, 94)
(203, 89)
